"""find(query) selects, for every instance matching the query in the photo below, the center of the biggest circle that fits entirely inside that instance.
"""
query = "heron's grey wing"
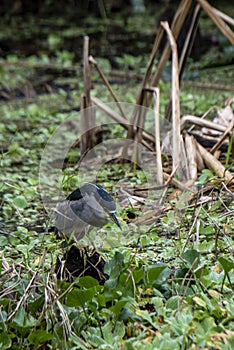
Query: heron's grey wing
(93, 213)
(73, 217)
(67, 219)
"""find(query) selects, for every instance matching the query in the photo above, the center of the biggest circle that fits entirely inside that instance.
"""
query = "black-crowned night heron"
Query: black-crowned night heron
(89, 205)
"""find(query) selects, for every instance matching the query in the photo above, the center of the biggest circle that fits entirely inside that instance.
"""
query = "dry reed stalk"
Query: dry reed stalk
(199, 160)
(87, 71)
(225, 134)
(138, 116)
(167, 184)
(159, 169)
(176, 146)
(184, 161)
(225, 17)
(24, 296)
(140, 98)
(108, 110)
(215, 165)
(191, 119)
(88, 118)
(189, 38)
(139, 127)
(176, 26)
(104, 79)
(181, 186)
(188, 44)
(147, 138)
(216, 18)
(190, 145)
(217, 154)
(149, 217)
(157, 137)
(6, 269)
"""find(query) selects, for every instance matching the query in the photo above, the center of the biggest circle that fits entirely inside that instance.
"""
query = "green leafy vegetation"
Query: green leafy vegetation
(170, 282)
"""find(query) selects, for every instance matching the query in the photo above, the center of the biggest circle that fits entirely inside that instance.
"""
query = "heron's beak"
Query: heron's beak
(114, 218)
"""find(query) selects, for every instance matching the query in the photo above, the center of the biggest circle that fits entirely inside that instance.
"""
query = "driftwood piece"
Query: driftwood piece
(215, 165)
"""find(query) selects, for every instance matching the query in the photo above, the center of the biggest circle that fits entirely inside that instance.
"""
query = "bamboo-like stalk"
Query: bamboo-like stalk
(190, 37)
(216, 18)
(159, 168)
(157, 136)
(104, 79)
(199, 159)
(140, 99)
(188, 44)
(176, 26)
(225, 134)
(225, 17)
(138, 115)
(190, 146)
(175, 97)
(87, 113)
(147, 138)
(86, 70)
(183, 161)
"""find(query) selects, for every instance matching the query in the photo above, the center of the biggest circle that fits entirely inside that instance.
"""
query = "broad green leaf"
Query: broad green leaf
(87, 282)
(173, 303)
(23, 319)
(119, 305)
(144, 314)
(39, 336)
(200, 302)
(192, 257)
(227, 265)
(5, 341)
(77, 297)
(138, 275)
(156, 274)
(20, 202)
(115, 265)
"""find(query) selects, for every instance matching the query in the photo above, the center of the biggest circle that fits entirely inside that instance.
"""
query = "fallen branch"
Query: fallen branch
(215, 165)
(191, 119)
